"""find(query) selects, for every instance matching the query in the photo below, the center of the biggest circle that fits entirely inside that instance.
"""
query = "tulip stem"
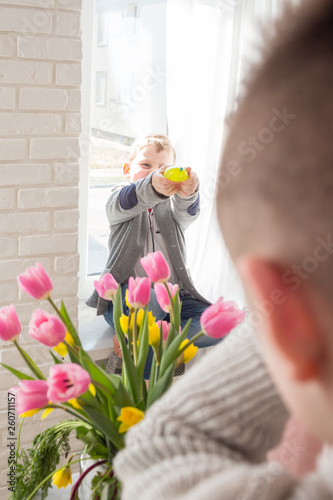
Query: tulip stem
(135, 334)
(129, 331)
(57, 310)
(71, 412)
(156, 354)
(157, 372)
(33, 367)
(66, 321)
(171, 303)
(19, 438)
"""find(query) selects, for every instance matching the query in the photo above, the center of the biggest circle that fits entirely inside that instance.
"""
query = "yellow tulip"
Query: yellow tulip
(46, 413)
(92, 390)
(29, 413)
(128, 417)
(62, 477)
(189, 353)
(151, 318)
(61, 348)
(126, 299)
(123, 320)
(154, 334)
(74, 402)
(139, 317)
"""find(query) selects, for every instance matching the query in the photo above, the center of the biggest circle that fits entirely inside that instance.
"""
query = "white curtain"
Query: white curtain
(210, 46)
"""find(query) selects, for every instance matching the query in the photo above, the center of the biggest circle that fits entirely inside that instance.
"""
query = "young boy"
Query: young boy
(208, 437)
(149, 214)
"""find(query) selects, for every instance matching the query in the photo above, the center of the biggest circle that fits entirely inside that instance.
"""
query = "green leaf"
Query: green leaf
(121, 397)
(20, 375)
(171, 353)
(106, 427)
(161, 386)
(32, 365)
(105, 487)
(56, 360)
(152, 375)
(99, 375)
(176, 309)
(171, 335)
(88, 400)
(145, 394)
(143, 345)
(174, 329)
(69, 325)
(129, 368)
(95, 446)
(186, 328)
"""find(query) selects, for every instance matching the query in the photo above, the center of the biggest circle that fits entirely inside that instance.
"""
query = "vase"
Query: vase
(85, 485)
(88, 470)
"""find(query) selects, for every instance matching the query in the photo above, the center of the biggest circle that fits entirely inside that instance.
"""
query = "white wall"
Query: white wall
(40, 94)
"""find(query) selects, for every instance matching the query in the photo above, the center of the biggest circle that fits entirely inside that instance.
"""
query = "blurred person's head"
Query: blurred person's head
(147, 155)
(275, 207)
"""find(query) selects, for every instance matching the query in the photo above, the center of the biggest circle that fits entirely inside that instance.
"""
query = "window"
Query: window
(101, 29)
(100, 90)
(125, 58)
(124, 95)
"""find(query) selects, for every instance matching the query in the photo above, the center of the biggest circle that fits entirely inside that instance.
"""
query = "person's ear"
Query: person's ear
(290, 324)
(126, 170)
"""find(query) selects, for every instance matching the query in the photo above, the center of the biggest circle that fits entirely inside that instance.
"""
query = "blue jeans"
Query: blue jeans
(191, 308)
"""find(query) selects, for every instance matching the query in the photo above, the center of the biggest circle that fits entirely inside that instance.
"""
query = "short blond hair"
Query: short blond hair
(160, 141)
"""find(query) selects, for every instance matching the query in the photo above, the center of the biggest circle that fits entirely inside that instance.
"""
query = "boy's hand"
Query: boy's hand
(188, 187)
(163, 185)
(116, 347)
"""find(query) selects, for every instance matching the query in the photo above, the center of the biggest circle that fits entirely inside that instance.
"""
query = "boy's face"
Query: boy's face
(147, 160)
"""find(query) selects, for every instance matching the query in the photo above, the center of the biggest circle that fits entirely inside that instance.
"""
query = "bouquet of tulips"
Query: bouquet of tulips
(101, 406)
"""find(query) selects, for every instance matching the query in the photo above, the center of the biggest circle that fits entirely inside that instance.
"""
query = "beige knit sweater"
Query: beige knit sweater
(207, 438)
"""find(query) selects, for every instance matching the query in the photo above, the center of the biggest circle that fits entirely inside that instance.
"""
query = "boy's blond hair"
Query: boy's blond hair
(160, 141)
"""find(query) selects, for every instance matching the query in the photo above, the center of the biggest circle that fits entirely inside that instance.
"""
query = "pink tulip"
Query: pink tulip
(46, 328)
(156, 267)
(162, 295)
(165, 329)
(220, 318)
(138, 292)
(9, 323)
(67, 381)
(106, 287)
(30, 395)
(36, 282)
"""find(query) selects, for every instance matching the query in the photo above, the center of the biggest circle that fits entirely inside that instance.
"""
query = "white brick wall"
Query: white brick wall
(40, 121)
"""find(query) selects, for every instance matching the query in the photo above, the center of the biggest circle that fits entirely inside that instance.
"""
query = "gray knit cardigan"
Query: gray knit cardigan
(127, 214)
(207, 438)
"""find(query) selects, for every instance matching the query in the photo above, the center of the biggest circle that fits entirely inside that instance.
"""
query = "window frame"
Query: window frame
(88, 100)
(99, 75)
(102, 40)
(85, 282)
